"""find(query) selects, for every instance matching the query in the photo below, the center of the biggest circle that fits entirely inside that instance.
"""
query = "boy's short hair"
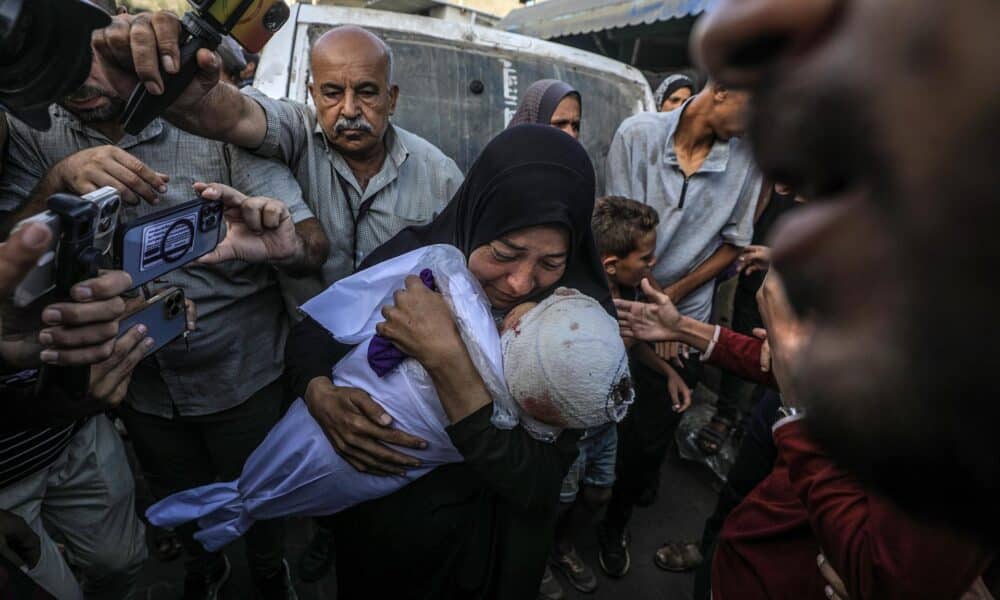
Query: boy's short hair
(619, 223)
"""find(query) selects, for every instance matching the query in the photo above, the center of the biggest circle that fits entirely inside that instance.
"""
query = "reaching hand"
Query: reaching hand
(652, 322)
(259, 229)
(91, 169)
(787, 336)
(754, 258)
(765, 349)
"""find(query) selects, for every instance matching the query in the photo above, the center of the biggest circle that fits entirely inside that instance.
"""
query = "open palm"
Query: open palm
(654, 321)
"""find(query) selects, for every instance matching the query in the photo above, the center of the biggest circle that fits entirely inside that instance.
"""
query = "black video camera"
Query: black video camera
(45, 53)
(250, 22)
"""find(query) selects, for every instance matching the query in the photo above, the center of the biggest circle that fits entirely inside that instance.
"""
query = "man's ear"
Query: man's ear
(393, 97)
(610, 263)
(311, 85)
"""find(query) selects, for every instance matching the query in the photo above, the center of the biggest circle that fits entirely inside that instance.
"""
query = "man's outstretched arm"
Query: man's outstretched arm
(140, 48)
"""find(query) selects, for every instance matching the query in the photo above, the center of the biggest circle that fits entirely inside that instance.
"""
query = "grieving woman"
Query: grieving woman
(481, 528)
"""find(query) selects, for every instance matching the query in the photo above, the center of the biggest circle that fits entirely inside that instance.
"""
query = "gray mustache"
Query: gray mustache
(358, 123)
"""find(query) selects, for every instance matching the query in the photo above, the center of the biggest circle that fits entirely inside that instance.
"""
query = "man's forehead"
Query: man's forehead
(348, 72)
(353, 49)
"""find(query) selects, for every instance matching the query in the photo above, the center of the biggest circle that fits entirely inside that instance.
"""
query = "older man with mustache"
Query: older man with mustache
(363, 177)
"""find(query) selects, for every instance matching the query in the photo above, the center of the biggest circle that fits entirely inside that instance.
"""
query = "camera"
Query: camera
(71, 218)
(108, 203)
(250, 22)
(156, 244)
(45, 53)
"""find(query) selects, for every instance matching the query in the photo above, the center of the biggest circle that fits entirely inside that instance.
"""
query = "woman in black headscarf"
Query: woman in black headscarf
(550, 102)
(481, 528)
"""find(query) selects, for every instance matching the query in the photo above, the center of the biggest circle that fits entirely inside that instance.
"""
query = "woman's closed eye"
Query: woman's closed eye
(501, 256)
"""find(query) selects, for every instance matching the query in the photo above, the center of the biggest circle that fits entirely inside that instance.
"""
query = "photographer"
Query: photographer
(197, 408)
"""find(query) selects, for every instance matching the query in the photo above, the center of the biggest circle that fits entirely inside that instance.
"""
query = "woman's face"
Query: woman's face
(674, 101)
(519, 264)
(567, 116)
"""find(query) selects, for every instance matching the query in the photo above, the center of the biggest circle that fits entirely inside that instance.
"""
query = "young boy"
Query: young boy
(625, 232)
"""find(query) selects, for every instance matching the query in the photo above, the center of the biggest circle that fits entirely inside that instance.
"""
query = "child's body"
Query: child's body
(295, 471)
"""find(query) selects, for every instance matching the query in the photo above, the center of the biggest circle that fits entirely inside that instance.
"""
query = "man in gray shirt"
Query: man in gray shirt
(691, 166)
(200, 406)
(364, 178)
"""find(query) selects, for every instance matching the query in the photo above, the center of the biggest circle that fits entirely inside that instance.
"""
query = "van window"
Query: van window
(458, 96)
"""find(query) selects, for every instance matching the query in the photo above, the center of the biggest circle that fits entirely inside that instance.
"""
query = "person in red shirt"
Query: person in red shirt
(808, 504)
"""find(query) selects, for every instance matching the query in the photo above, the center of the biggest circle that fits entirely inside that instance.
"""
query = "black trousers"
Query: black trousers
(746, 317)
(753, 463)
(186, 452)
(644, 437)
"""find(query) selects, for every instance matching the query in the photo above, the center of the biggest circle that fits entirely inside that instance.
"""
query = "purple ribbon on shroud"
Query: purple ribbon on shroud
(383, 356)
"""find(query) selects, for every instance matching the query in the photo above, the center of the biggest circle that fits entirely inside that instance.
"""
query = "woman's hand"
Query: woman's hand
(358, 428)
(656, 321)
(421, 325)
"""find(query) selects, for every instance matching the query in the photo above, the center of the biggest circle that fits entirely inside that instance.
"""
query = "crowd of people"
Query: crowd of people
(458, 375)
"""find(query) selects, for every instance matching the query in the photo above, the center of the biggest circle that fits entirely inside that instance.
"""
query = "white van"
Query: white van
(460, 84)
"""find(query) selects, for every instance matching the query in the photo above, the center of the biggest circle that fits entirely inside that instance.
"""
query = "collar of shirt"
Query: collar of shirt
(718, 157)
(396, 155)
(151, 131)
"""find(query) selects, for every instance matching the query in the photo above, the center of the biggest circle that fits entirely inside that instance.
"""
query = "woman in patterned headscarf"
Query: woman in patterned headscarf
(550, 102)
(673, 91)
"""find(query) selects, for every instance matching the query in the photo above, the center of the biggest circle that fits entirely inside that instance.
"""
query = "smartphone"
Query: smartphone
(42, 278)
(164, 316)
(108, 203)
(250, 22)
(157, 244)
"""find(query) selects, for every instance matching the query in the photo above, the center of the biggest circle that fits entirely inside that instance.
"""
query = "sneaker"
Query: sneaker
(278, 586)
(201, 586)
(550, 588)
(315, 562)
(576, 571)
(613, 554)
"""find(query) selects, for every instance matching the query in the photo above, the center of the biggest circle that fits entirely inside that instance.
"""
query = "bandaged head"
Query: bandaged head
(565, 364)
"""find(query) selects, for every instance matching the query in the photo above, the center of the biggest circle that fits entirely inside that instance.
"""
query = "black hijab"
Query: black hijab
(527, 176)
(540, 102)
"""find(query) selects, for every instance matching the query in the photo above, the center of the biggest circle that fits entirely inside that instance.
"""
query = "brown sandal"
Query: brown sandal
(678, 556)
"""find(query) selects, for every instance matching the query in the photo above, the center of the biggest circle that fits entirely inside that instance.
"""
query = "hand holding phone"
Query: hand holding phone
(258, 229)
(164, 317)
